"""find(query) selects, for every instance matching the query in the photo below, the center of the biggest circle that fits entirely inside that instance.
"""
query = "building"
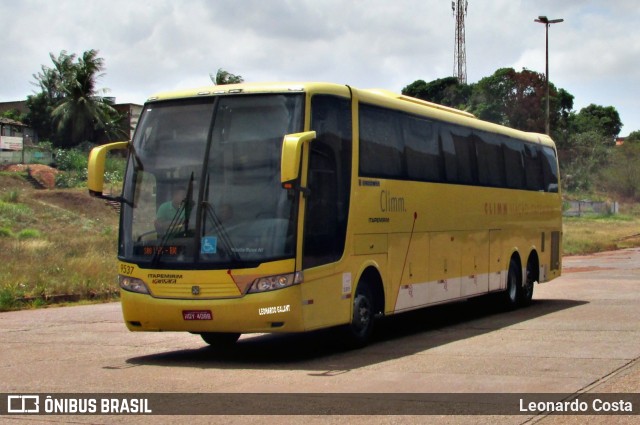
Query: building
(15, 138)
(12, 135)
(19, 105)
(131, 113)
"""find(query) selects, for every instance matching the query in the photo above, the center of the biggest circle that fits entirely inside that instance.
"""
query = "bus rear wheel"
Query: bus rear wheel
(526, 294)
(220, 339)
(531, 278)
(512, 296)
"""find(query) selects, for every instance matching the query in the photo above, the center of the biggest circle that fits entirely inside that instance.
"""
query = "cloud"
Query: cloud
(158, 45)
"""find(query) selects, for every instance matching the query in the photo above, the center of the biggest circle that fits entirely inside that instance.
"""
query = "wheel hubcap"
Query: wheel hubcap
(362, 314)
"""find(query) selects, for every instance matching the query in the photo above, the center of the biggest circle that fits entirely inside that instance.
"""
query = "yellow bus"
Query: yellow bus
(290, 207)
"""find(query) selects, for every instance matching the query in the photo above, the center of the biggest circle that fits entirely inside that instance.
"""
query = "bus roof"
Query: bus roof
(237, 89)
(379, 97)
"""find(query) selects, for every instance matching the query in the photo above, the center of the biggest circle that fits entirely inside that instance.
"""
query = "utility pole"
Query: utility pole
(547, 23)
(459, 8)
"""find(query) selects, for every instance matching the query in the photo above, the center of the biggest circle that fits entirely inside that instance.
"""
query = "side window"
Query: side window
(490, 160)
(422, 150)
(550, 169)
(533, 167)
(381, 145)
(466, 156)
(458, 147)
(514, 165)
(449, 155)
(329, 181)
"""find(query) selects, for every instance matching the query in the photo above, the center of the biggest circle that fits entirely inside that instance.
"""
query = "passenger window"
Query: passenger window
(533, 168)
(490, 160)
(514, 166)
(550, 169)
(465, 155)
(381, 145)
(422, 150)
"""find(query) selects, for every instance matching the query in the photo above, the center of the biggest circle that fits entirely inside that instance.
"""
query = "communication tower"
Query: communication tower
(459, 8)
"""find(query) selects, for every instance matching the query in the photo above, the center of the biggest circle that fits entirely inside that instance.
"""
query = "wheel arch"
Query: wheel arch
(515, 255)
(372, 277)
(532, 270)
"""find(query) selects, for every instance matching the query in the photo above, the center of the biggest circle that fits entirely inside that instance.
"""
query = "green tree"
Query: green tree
(490, 96)
(40, 105)
(634, 137)
(82, 112)
(13, 114)
(52, 80)
(418, 89)
(622, 176)
(511, 98)
(69, 108)
(602, 119)
(586, 155)
(561, 106)
(39, 108)
(444, 91)
(223, 77)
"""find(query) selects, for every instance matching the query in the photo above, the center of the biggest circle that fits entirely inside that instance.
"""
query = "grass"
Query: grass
(14, 213)
(55, 246)
(589, 234)
(59, 246)
(29, 234)
(11, 196)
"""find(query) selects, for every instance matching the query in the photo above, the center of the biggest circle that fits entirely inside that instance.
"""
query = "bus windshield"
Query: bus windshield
(203, 183)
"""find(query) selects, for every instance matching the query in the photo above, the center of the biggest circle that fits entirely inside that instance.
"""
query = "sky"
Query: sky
(156, 45)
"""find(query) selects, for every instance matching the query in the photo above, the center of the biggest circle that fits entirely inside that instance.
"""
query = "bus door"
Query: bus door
(327, 290)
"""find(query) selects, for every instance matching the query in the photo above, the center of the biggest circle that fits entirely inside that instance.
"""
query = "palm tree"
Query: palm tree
(81, 110)
(51, 80)
(223, 77)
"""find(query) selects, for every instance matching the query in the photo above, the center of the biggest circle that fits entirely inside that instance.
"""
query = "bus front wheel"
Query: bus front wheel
(220, 339)
(358, 332)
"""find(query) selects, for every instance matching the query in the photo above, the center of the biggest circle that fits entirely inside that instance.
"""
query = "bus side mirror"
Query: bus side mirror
(97, 158)
(292, 155)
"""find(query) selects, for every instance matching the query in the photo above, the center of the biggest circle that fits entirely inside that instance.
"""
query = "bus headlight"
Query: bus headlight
(271, 283)
(132, 284)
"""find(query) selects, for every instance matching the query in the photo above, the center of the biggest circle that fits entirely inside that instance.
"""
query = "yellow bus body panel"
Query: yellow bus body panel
(430, 243)
(275, 311)
(221, 292)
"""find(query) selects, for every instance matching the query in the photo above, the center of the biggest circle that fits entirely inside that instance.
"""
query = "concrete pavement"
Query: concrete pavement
(581, 334)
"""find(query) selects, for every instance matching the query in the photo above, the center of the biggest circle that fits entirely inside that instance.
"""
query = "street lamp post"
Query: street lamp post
(547, 22)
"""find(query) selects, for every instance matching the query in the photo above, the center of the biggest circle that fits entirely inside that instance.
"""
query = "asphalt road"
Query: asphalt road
(580, 335)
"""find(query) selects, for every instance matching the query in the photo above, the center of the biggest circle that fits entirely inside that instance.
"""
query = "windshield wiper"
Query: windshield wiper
(219, 227)
(221, 230)
(187, 204)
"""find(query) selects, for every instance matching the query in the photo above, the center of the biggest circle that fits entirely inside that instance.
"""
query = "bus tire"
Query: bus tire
(220, 339)
(512, 296)
(531, 278)
(358, 332)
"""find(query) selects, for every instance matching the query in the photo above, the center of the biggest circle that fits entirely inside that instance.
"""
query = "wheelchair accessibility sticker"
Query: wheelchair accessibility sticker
(209, 245)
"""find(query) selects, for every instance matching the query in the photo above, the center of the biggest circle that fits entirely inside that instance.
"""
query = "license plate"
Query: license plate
(197, 315)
